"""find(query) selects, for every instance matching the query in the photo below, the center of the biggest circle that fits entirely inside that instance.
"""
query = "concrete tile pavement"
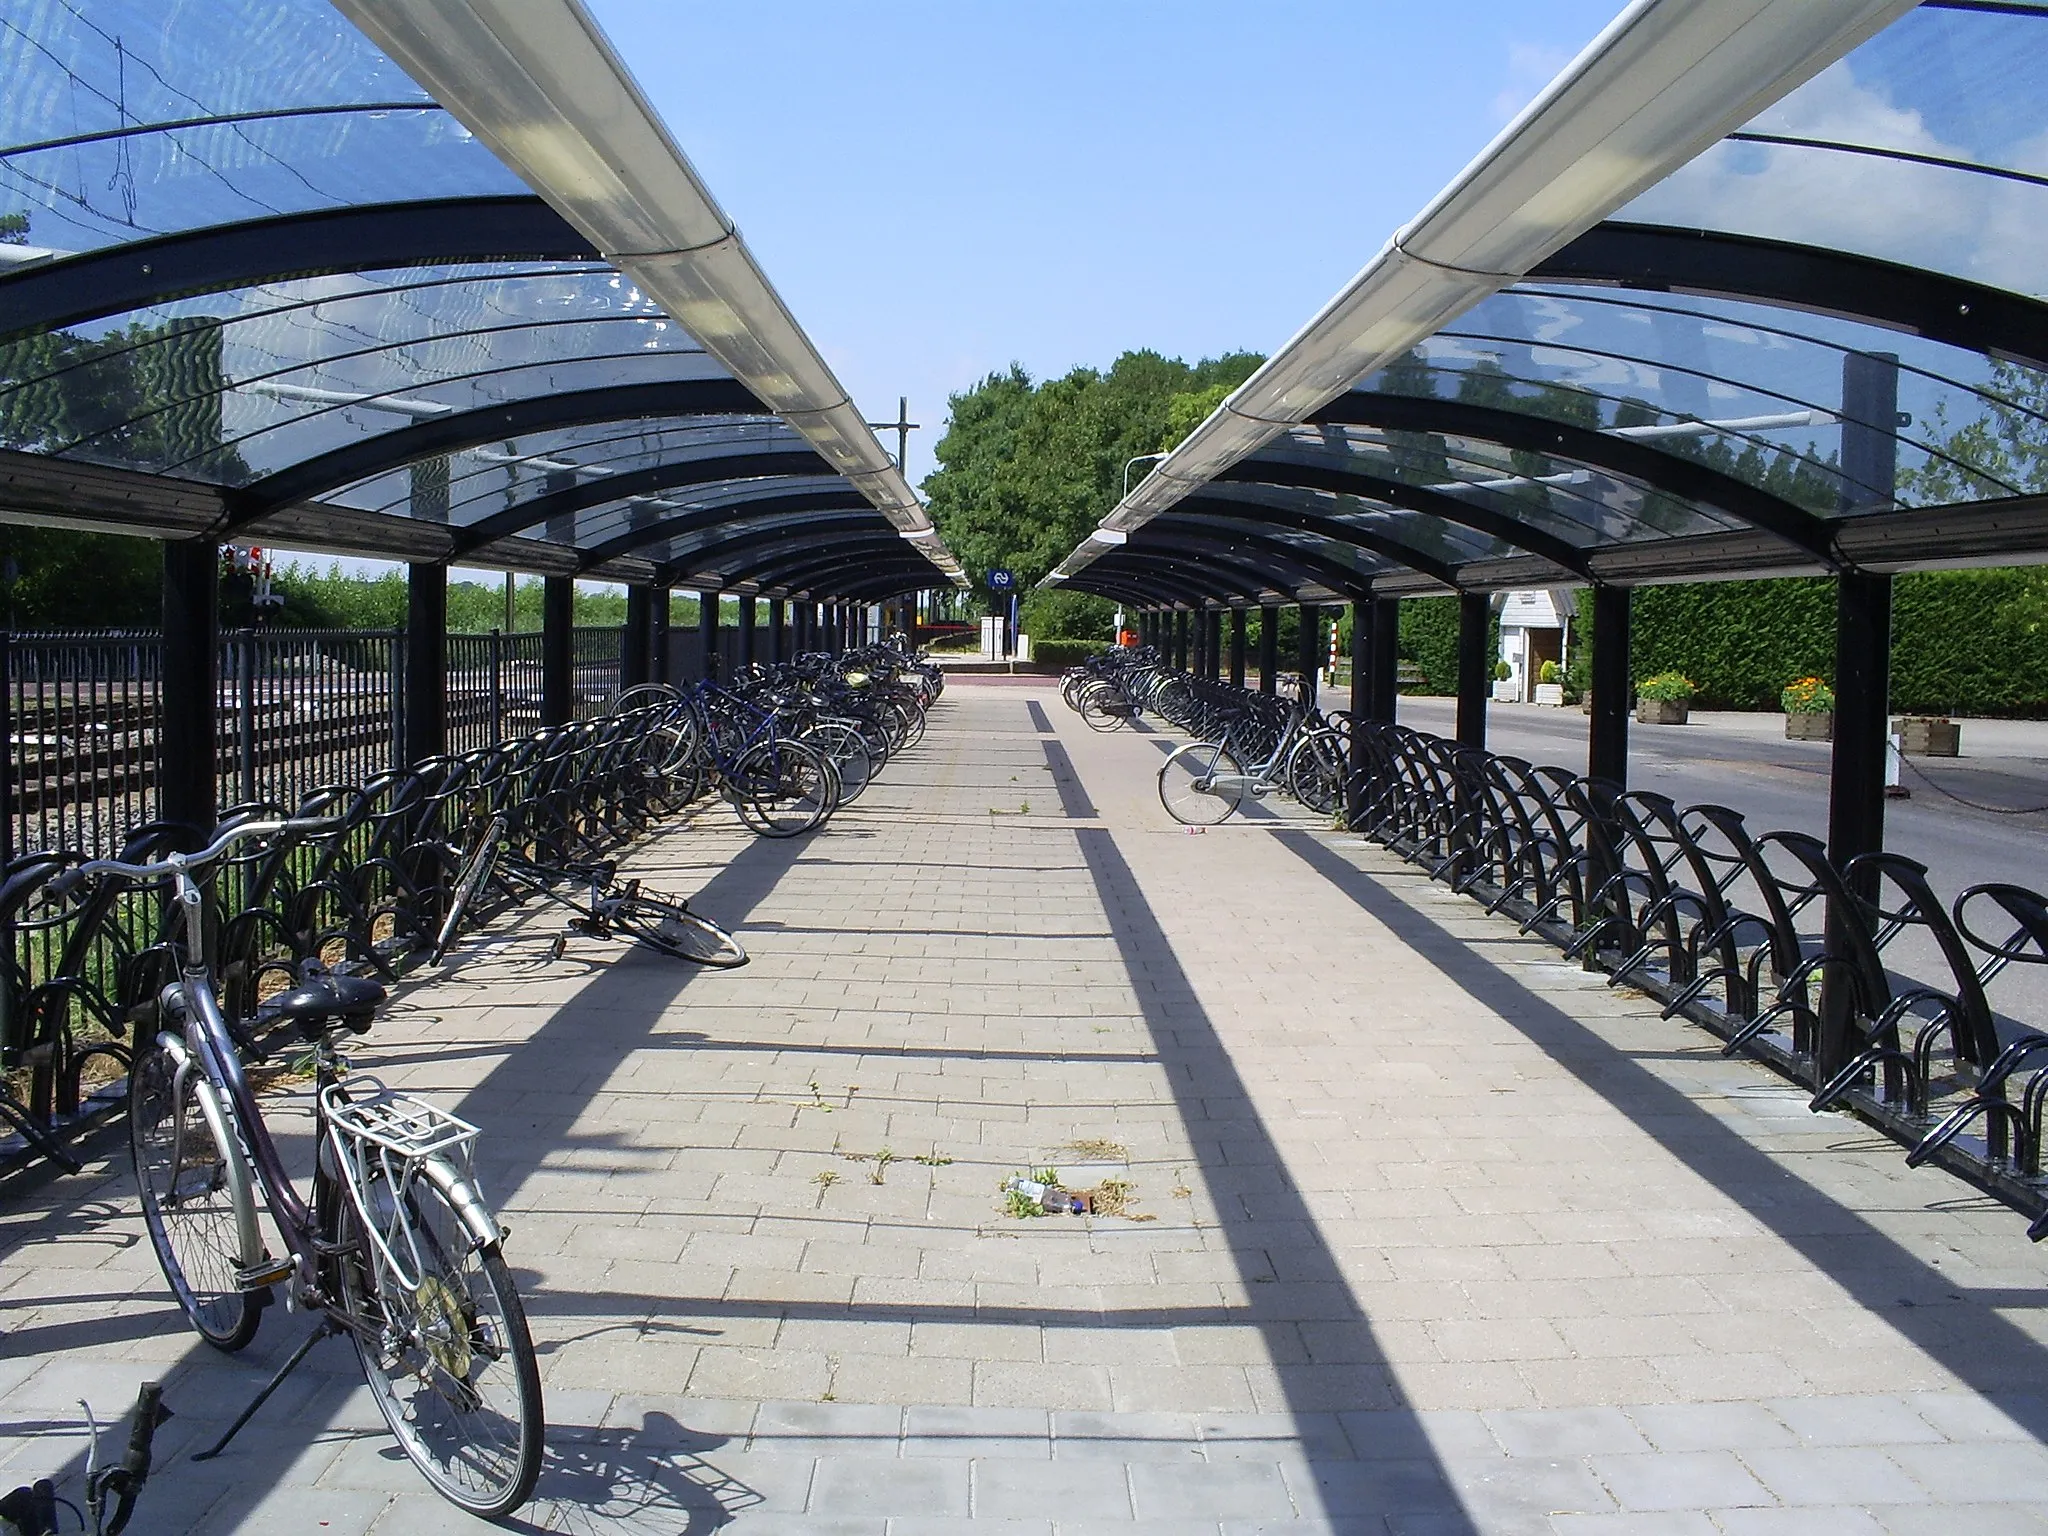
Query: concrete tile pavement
(1429, 1232)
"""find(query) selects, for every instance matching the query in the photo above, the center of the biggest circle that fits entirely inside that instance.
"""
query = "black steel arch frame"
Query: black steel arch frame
(782, 563)
(364, 238)
(1253, 513)
(1262, 470)
(671, 474)
(1684, 478)
(873, 567)
(1949, 310)
(1125, 586)
(1195, 587)
(783, 526)
(387, 451)
(1215, 570)
(741, 517)
(1285, 566)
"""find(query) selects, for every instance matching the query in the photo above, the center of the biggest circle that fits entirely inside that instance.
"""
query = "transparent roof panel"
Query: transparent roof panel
(1582, 504)
(126, 119)
(496, 477)
(1432, 536)
(341, 355)
(1756, 390)
(736, 498)
(1927, 146)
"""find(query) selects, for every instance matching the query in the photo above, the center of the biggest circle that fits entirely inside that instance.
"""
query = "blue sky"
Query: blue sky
(942, 187)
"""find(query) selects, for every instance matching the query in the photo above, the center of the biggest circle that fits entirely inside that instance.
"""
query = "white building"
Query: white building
(1535, 627)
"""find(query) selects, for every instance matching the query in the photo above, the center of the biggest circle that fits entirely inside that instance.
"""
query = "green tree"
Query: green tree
(1027, 469)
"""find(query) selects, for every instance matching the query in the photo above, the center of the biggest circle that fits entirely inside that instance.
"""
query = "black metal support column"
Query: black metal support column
(1607, 737)
(1863, 645)
(658, 633)
(778, 643)
(1212, 625)
(747, 630)
(1237, 634)
(557, 649)
(1475, 665)
(1360, 706)
(636, 654)
(707, 631)
(426, 662)
(1178, 648)
(1386, 657)
(187, 787)
(1308, 650)
(1269, 650)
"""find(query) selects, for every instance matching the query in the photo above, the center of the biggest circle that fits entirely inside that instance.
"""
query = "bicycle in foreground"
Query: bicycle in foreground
(494, 871)
(110, 1492)
(396, 1248)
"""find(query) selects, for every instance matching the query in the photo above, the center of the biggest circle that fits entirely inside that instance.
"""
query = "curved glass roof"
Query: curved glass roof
(402, 409)
(1820, 343)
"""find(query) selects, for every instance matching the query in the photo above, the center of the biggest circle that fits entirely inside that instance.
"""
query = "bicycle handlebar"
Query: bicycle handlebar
(180, 863)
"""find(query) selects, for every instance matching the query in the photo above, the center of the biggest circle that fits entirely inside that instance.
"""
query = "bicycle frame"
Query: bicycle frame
(1257, 780)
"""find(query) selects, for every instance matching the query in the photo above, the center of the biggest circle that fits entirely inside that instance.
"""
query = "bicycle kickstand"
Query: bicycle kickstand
(320, 1331)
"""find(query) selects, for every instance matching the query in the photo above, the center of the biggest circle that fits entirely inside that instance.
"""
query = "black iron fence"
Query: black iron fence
(298, 709)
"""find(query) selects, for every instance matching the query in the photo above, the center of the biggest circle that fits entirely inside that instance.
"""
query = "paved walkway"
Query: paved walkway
(1426, 1232)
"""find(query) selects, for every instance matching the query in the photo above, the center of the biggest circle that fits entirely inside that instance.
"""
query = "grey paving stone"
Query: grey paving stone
(1679, 1480)
(1564, 1431)
(1507, 1492)
(1121, 1437)
(1017, 1434)
(1371, 1487)
(866, 1485)
(1977, 1520)
(1710, 1426)
(1824, 1475)
(1211, 1491)
(1812, 1520)
(1078, 1490)
(1636, 1523)
(1986, 1472)
(825, 1429)
(1854, 1420)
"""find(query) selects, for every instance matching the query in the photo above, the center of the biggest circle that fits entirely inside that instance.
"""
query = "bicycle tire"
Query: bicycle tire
(425, 1359)
(201, 1213)
(1315, 772)
(851, 759)
(783, 788)
(476, 871)
(1102, 708)
(1181, 780)
(673, 929)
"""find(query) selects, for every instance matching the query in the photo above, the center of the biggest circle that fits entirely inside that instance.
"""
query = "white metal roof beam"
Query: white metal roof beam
(1665, 80)
(538, 83)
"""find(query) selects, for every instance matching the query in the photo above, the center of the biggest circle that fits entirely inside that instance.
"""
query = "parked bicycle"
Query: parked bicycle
(1204, 783)
(496, 873)
(396, 1249)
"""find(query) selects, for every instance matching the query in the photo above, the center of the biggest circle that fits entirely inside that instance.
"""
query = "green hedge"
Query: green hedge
(1066, 653)
(1963, 642)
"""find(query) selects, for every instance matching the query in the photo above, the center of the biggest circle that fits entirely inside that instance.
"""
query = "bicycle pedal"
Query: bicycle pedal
(265, 1272)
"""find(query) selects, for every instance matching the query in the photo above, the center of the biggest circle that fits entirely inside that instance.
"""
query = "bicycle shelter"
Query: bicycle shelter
(1487, 1245)
(427, 287)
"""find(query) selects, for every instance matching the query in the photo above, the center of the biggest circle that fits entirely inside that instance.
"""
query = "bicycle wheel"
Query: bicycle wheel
(783, 788)
(849, 756)
(1102, 708)
(449, 1361)
(1315, 776)
(1185, 788)
(197, 1201)
(476, 873)
(672, 928)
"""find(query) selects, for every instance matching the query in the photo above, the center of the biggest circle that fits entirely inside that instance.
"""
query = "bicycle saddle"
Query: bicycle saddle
(315, 1003)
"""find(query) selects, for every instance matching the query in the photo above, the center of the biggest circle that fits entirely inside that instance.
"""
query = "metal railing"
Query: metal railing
(298, 709)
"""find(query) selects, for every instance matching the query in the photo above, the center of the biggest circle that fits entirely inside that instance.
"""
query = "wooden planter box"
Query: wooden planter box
(1661, 711)
(1928, 736)
(1550, 693)
(1504, 691)
(1810, 727)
